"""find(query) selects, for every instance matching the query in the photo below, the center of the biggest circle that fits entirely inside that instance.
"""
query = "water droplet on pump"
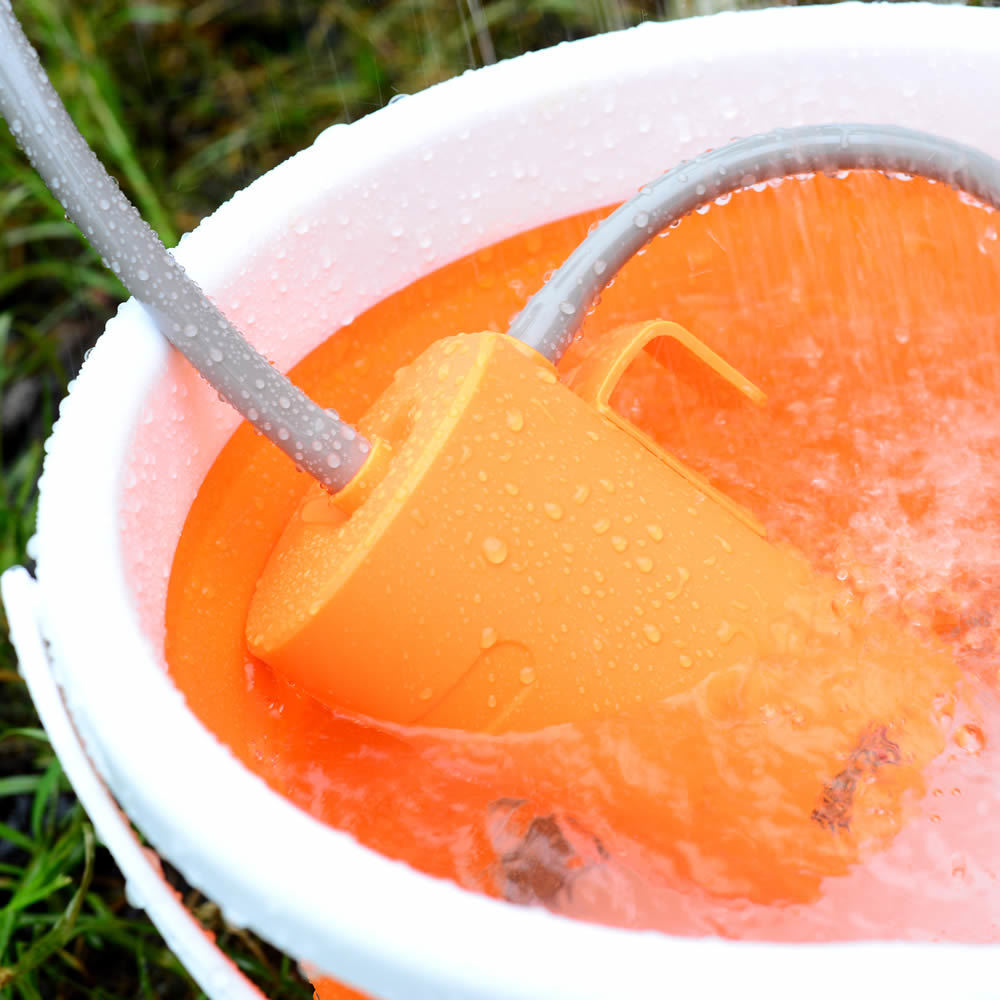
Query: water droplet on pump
(652, 633)
(494, 550)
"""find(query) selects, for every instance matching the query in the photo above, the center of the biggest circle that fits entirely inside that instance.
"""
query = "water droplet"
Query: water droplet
(685, 660)
(190, 330)
(567, 308)
(426, 694)
(515, 419)
(600, 266)
(488, 638)
(142, 274)
(640, 220)
(602, 525)
(494, 550)
(511, 488)
(655, 532)
(970, 738)
(105, 204)
(581, 493)
(492, 701)
(527, 675)
(334, 460)
(644, 564)
(553, 511)
(684, 575)
(619, 543)
(652, 633)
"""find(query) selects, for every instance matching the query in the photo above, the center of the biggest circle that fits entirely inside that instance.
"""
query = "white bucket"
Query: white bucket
(378, 204)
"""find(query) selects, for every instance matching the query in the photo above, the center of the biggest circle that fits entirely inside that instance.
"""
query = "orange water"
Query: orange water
(867, 309)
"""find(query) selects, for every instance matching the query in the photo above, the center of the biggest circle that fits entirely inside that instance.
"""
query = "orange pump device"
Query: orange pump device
(516, 554)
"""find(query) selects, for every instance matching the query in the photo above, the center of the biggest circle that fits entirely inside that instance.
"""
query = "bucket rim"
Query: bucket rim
(185, 791)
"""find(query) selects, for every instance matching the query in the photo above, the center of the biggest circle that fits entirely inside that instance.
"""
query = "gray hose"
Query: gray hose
(316, 439)
(554, 314)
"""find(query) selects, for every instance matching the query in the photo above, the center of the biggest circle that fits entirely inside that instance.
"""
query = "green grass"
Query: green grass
(186, 101)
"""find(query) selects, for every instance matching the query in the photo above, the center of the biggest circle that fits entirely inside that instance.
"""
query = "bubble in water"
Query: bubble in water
(970, 738)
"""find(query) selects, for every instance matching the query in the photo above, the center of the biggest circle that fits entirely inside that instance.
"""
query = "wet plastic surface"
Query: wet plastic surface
(778, 773)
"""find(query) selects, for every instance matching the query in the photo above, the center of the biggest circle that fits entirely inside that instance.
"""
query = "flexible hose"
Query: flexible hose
(554, 314)
(316, 439)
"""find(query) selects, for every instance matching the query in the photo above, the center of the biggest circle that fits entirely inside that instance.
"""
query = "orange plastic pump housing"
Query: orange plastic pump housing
(526, 557)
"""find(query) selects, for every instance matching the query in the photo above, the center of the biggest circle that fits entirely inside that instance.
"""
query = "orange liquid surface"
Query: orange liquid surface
(867, 310)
